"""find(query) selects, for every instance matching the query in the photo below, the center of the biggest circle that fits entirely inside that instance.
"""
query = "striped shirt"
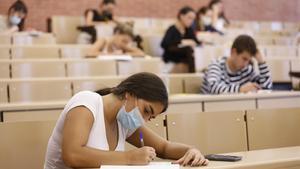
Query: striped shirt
(218, 78)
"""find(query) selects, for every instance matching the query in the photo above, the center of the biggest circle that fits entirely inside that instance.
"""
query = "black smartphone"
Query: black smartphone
(216, 157)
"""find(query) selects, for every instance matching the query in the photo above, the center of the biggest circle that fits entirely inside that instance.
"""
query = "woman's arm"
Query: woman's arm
(192, 35)
(12, 30)
(184, 154)
(215, 15)
(75, 154)
(133, 51)
(96, 48)
(77, 127)
(89, 18)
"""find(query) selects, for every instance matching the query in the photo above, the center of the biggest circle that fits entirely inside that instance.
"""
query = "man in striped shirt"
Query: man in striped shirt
(236, 73)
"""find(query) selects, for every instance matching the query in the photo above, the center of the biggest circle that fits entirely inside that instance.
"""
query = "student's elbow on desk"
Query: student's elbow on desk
(137, 54)
(71, 158)
(163, 150)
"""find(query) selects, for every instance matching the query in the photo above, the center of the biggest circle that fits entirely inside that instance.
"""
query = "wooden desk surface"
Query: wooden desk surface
(32, 106)
(182, 98)
(281, 158)
(269, 158)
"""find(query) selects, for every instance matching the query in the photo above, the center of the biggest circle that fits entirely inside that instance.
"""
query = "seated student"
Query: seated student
(17, 13)
(93, 127)
(105, 13)
(203, 18)
(218, 20)
(179, 41)
(236, 73)
(120, 43)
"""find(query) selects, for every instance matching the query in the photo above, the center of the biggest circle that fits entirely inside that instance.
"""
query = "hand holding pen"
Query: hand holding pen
(142, 139)
(143, 155)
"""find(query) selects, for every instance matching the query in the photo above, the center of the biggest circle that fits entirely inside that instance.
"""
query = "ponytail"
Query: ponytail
(105, 91)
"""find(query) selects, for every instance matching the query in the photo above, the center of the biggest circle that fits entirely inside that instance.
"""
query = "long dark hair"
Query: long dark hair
(199, 25)
(146, 86)
(19, 6)
(105, 2)
(222, 14)
(213, 2)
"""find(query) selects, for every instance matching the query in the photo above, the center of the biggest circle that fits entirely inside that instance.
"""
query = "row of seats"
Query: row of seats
(41, 68)
(63, 68)
(38, 68)
(27, 38)
(270, 46)
(266, 51)
(260, 39)
(261, 33)
(280, 68)
(266, 25)
(152, 44)
(263, 25)
(43, 51)
(187, 96)
(65, 27)
(61, 89)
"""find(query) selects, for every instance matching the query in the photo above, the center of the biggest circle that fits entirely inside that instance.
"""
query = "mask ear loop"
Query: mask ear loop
(140, 114)
(136, 102)
(125, 104)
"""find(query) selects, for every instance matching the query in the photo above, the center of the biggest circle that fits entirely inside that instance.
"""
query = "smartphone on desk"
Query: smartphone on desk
(229, 158)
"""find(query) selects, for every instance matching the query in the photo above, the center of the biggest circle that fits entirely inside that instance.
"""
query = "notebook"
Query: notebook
(152, 165)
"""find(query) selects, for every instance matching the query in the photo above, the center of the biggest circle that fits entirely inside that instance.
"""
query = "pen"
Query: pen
(142, 139)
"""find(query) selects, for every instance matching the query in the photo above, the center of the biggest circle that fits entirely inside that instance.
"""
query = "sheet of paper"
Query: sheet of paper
(115, 57)
(152, 165)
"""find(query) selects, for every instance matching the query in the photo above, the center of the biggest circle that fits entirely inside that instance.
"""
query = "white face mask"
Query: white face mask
(130, 120)
(206, 20)
(15, 20)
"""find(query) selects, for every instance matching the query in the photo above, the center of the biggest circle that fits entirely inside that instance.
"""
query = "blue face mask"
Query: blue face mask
(130, 120)
(15, 20)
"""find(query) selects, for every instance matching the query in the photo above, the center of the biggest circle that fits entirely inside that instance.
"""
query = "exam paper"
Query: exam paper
(152, 165)
(115, 57)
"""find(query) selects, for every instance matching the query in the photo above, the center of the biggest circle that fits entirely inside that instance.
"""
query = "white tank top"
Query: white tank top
(97, 137)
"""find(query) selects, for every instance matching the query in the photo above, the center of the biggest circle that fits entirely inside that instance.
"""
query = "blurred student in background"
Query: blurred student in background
(219, 20)
(120, 43)
(105, 13)
(179, 41)
(211, 18)
(236, 73)
(16, 17)
(203, 18)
